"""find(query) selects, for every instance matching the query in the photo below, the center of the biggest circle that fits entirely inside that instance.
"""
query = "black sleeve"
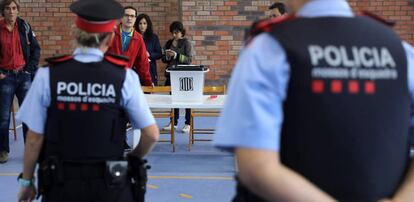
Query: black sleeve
(33, 62)
(156, 52)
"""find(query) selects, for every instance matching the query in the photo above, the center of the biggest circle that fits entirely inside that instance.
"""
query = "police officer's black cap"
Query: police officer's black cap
(97, 10)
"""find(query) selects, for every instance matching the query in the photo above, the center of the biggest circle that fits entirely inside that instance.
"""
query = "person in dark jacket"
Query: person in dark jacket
(144, 26)
(178, 50)
(19, 57)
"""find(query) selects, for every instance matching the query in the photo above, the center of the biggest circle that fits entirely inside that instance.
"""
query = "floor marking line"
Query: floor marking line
(152, 186)
(186, 196)
(9, 174)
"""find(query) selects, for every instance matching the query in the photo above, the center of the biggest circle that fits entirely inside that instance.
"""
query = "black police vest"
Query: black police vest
(347, 112)
(85, 121)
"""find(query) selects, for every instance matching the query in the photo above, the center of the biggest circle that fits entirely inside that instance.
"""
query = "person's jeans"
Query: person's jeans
(13, 84)
(177, 115)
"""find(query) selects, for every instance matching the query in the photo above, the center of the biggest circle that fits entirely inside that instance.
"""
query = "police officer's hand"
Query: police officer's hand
(27, 194)
(2, 76)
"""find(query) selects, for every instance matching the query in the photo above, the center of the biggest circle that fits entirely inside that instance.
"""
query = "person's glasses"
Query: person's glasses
(129, 16)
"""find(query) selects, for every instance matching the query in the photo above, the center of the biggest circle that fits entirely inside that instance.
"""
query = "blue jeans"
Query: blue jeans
(13, 84)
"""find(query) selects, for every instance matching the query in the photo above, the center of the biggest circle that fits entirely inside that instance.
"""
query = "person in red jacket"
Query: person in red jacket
(130, 43)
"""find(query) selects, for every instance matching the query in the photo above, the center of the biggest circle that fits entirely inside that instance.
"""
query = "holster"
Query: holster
(49, 173)
(138, 172)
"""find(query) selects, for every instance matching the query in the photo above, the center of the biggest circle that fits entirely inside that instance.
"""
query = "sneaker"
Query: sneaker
(4, 156)
(168, 127)
(186, 128)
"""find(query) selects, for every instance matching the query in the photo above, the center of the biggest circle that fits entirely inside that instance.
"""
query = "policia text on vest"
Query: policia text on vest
(338, 62)
(97, 93)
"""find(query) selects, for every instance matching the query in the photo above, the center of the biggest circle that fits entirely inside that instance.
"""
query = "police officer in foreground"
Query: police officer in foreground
(76, 111)
(319, 109)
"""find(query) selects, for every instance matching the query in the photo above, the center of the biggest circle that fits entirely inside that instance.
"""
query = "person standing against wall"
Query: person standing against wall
(178, 50)
(144, 26)
(130, 43)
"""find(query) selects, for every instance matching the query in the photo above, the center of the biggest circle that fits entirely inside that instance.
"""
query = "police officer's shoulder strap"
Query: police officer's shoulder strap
(118, 60)
(266, 25)
(375, 17)
(58, 59)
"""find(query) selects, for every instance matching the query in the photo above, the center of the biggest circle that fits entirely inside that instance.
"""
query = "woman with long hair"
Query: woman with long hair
(143, 25)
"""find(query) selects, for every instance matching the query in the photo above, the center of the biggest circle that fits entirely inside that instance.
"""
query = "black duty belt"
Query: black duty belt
(83, 171)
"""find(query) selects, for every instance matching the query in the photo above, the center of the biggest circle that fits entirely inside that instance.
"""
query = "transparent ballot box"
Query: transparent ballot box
(187, 82)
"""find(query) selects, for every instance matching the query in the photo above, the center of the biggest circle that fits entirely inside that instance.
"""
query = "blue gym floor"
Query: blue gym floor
(203, 174)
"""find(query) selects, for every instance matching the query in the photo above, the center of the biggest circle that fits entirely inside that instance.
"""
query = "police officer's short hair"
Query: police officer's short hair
(89, 40)
(177, 26)
(280, 6)
(5, 3)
